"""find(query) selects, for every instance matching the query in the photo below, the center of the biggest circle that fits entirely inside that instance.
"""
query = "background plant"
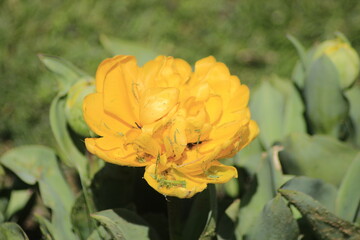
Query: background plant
(313, 160)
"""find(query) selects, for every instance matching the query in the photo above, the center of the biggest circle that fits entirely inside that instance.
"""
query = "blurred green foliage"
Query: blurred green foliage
(249, 36)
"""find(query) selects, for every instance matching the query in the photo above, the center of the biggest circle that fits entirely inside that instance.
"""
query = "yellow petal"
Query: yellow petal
(241, 116)
(173, 183)
(149, 73)
(253, 132)
(218, 78)
(225, 131)
(196, 129)
(178, 137)
(119, 99)
(100, 122)
(148, 144)
(104, 67)
(182, 68)
(113, 150)
(243, 137)
(201, 91)
(234, 83)
(217, 173)
(156, 103)
(214, 108)
(203, 65)
(238, 100)
(195, 162)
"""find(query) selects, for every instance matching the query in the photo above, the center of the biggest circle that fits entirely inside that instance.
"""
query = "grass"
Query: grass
(249, 36)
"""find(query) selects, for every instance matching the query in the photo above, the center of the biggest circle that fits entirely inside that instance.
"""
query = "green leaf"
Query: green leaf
(326, 225)
(67, 74)
(277, 107)
(348, 200)
(267, 101)
(353, 96)
(12, 231)
(326, 106)
(100, 234)
(293, 115)
(39, 163)
(249, 156)
(228, 221)
(321, 191)
(124, 224)
(316, 156)
(262, 189)
(81, 220)
(67, 150)
(123, 47)
(232, 188)
(275, 222)
(18, 200)
(300, 50)
(298, 75)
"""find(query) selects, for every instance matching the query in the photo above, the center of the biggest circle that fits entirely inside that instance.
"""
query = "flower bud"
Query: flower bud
(73, 106)
(344, 58)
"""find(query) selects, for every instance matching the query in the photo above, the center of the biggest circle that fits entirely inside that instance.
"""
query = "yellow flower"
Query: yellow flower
(175, 122)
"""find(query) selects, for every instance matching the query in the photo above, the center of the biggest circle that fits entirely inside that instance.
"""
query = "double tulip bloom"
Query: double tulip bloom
(175, 122)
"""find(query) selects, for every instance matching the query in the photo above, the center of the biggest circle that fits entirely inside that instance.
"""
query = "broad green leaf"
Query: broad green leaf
(123, 47)
(39, 164)
(83, 224)
(262, 189)
(100, 234)
(124, 224)
(277, 107)
(18, 200)
(293, 120)
(326, 225)
(248, 157)
(228, 221)
(321, 191)
(12, 231)
(67, 150)
(348, 200)
(326, 106)
(67, 74)
(353, 96)
(316, 156)
(302, 55)
(266, 105)
(298, 75)
(232, 187)
(275, 222)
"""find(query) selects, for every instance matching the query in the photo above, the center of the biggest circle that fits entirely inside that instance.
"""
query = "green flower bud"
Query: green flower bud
(73, 106)
(344, 58)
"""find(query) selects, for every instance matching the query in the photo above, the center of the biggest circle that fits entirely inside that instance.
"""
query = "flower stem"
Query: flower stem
(175, 212)
(210, 228)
